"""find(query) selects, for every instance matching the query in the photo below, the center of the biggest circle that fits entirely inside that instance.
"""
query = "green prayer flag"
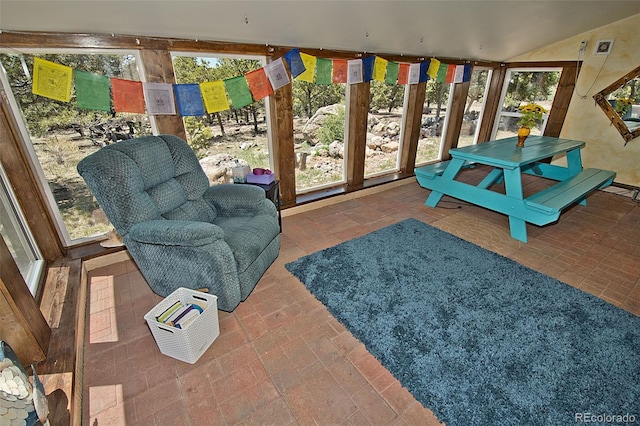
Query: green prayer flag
(392, 73)
(324, 68)
(238, 90)
(441, 77)
(92, 91)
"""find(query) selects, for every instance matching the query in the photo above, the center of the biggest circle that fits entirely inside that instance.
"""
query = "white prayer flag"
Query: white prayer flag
(277, 74)
(458, 76)
(414, 73)
(354, 74)
(159, 98)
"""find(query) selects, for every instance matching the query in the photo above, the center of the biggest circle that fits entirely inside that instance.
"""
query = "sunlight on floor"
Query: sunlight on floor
(106, 405)
(102, 323)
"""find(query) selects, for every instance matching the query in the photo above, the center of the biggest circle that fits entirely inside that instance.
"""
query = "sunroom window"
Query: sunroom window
(237, 135)
(16, 235)
(434, 120)
(523, 86)
(59, 134)
(384, 128)
(319, 113)
(474, 106)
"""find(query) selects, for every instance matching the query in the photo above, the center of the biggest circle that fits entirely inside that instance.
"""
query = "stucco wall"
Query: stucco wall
(585, 120)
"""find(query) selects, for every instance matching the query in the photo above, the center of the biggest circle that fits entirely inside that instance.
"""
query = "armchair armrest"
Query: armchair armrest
(239, 200)
(175, 233)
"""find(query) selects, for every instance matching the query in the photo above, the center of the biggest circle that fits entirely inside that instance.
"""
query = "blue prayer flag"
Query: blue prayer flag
(467, 73)
(424, 68)
(189, 99)
(294, 60)
(367, 68)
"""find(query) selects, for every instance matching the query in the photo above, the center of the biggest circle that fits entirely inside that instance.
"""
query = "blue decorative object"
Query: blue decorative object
(180, 231)
(476, 337)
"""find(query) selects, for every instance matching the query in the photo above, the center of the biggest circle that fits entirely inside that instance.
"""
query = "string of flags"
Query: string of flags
(101, 93)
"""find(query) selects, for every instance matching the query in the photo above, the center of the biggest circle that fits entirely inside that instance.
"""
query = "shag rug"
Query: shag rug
(476, 337)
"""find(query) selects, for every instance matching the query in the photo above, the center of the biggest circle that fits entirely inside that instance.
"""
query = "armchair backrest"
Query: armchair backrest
(147, 178)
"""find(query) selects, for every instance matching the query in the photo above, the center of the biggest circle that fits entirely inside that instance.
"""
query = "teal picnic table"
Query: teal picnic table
(507, 163)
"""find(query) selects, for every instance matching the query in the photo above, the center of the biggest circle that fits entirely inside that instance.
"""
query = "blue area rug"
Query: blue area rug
(476, 337)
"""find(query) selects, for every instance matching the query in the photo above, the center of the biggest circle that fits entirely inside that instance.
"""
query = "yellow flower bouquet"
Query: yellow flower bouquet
(531, 114)
(623, 104)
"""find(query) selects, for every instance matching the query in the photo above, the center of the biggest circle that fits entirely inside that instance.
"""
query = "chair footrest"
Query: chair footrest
(564, 193)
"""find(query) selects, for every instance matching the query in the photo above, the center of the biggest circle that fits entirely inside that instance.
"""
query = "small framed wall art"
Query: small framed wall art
(603, 47)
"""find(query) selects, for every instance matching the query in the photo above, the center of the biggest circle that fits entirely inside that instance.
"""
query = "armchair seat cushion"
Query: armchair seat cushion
(247, 236)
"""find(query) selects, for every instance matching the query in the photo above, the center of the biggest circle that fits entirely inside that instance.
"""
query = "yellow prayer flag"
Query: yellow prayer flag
(214, 96)
(379, 68)
(434, 66)
(51, 80)
(310, 65)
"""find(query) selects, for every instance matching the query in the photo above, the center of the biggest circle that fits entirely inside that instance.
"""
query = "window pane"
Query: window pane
(474, 107)
(318, 132)
(225, 139)
(62, 134)
(384, 128)
(17, 237)
(434, 114)
(523, 87)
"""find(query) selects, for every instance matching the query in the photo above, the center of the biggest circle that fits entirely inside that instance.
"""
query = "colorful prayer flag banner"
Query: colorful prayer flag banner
(379, 68)
(403, 73)
(127, 96)
(367, 68)
(92, 91)
(159, 98)
(294, 60)
(434, 66)
(323, 71)
(189, 100)
(238, 91)
(214, 96)
(51, 80)
(309, 63)
(441, 76)
(354, 71)
(259, 84)
(340, 71)
(277, 74)
(391, 77)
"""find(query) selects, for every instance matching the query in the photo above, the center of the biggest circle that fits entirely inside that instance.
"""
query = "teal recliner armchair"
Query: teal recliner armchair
(180, 231)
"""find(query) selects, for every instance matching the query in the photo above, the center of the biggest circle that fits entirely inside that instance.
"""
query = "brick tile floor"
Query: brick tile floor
(282, 359)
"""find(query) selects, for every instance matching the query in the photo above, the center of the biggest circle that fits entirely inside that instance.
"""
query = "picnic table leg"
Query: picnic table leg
(574, 166)
(518, 228)
(513, 189)
(452, 170)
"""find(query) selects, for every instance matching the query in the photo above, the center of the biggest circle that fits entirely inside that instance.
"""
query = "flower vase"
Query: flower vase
(523, 132)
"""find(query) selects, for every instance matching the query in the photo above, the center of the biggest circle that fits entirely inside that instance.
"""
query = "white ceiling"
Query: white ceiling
(476, 29)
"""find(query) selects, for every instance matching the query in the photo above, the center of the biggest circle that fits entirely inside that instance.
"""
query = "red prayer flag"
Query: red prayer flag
(339, 74)
(403, 73)
(259, 84)
(451, 72)
(128, 96)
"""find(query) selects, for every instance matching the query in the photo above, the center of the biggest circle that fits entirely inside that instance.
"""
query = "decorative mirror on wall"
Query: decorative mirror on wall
(620, 101)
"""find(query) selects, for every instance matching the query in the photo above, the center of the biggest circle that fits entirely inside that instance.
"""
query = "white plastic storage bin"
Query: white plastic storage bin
(190, 343)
